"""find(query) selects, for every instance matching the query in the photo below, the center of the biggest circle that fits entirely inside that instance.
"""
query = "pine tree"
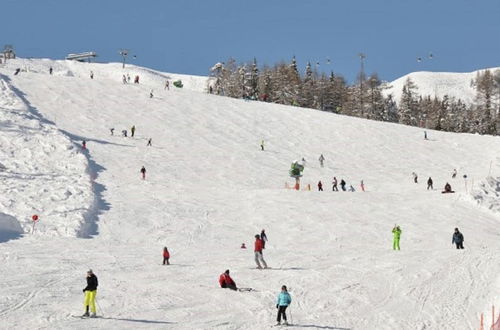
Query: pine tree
(408, 105)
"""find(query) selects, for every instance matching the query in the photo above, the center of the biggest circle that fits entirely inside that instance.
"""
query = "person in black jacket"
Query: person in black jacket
(90, 293)
(342, 184)
(458, 239)
(429, 184)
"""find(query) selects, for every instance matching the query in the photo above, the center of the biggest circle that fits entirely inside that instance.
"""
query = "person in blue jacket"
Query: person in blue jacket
(284, 300)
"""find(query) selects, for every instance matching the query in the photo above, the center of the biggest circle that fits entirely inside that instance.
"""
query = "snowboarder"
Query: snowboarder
(320, 186)
(91, 74)
(124, 133)
(447, 189)
(396, 231)
(143, 172)
(429, 184)
(258, 252)
(112, 130)
(458, 239)
(50, 70)
(284, 300)
(415, 177)
(136, 80)
(263, 236)
(166, 256)
(362, 185)
(132, 131)
(334, 184)
(454, 174)
(226, 282)
(342, 184)
(321, 160)
(262, 145)
(84, 145)
(149, 143)
(90, 292)
(167, 85)
(151, 94)
(351, 188)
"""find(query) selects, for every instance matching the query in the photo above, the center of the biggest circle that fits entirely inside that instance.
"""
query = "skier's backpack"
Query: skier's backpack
(178, 83)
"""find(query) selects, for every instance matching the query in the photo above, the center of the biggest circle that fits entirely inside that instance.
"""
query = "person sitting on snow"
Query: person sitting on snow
(226, 281)
(447, 188)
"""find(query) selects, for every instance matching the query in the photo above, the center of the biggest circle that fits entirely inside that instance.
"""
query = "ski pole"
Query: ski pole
(100, 308)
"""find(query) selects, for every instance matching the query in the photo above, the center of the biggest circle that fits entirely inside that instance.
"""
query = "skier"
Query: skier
(258, 252)
(334, 184)
(415, 177)
(447, 189)
(132, 131)
(458, 239)
(351, 188)
(90, 293)
(167, 85)
(84, 145)
(263, 236)
(454, 175)
(166, 255)
(320, 186)
(151, 94)
(91, 74)
(149, 142)
(429, 184)
(143, 171)
(124, 79)
(124, 133)
(262, 145)
(362, 185)
(396, 231)
(226, 282)
(50, 70)
(17, 71)
(136, 80)
(425, 135)
(112, 130)
(128, 78)
(321, 160)
(284, 300)
(342, 184)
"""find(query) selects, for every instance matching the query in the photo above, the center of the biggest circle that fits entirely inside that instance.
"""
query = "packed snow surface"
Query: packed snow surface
(210, 188)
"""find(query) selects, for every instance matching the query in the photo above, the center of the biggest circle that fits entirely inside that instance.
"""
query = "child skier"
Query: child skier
(263, 237)
(258, 252)
(321, 160)
(166, 256)
(396, 232)
(143, 171)
(284, 300)
(320, 186)
(90, 293)
(226, 281)
(429, 184)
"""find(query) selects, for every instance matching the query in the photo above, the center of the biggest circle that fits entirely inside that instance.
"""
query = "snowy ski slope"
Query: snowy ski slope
(209, 188)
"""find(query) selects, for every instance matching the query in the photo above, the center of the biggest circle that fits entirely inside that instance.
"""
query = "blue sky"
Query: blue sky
(189, 36)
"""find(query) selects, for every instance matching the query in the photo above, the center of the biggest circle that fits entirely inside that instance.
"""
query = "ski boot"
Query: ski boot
(93, 315)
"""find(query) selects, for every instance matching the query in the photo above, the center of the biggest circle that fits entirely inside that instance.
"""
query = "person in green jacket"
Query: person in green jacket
(396, 231)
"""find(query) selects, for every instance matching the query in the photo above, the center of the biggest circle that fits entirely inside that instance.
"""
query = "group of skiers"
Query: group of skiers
(458, 238)
(430, 183)
(343, 185)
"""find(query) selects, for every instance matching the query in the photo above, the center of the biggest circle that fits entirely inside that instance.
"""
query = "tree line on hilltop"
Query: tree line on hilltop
(284, 84)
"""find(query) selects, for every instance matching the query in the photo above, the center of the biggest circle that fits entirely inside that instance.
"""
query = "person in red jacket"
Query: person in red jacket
(259, 258)
(226, 281)
(166, 256)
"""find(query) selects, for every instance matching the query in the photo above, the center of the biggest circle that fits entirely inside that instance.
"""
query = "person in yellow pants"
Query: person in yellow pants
(396, 231)
(90, 293)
